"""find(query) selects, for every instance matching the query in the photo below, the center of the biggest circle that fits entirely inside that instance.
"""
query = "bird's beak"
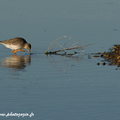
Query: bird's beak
(29, 50)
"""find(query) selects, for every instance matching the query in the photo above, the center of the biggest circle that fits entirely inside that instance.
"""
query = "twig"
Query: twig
(54, 42)
(67, 41)
(70, 48)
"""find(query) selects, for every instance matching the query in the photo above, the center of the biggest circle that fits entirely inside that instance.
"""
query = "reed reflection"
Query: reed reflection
(16, 62)
(63, 63)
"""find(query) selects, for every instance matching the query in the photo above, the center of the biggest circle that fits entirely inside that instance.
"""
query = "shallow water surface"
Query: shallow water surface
(57, 86)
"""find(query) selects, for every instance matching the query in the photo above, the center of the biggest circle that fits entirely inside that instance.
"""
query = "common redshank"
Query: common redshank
(17, 44)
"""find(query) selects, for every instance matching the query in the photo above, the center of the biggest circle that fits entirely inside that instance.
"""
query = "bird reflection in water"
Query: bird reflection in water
(17, 62)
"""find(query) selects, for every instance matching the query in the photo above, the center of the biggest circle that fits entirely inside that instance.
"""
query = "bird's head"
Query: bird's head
(28, 47)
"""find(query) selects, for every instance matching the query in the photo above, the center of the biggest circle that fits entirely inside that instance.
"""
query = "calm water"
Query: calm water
(58, 87)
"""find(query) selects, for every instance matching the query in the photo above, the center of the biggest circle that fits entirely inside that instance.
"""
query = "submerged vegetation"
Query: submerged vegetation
(74, 48)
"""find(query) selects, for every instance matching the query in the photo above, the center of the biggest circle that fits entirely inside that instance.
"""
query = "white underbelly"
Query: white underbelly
(13, 47)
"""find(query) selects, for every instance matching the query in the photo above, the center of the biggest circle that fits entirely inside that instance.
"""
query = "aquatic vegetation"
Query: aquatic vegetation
(112, 57)
(74, 47)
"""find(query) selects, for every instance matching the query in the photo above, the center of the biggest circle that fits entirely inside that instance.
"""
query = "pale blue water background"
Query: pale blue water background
(57, 87)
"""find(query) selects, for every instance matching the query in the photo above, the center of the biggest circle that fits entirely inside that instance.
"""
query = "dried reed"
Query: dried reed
(72, 47)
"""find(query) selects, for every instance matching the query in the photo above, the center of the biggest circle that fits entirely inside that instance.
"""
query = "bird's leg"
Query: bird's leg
(14, 51)
(21, 50)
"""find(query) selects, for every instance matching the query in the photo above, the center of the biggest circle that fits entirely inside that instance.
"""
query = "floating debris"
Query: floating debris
(112, 57)
(96, 56)
(103, 63)
(98, 63)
